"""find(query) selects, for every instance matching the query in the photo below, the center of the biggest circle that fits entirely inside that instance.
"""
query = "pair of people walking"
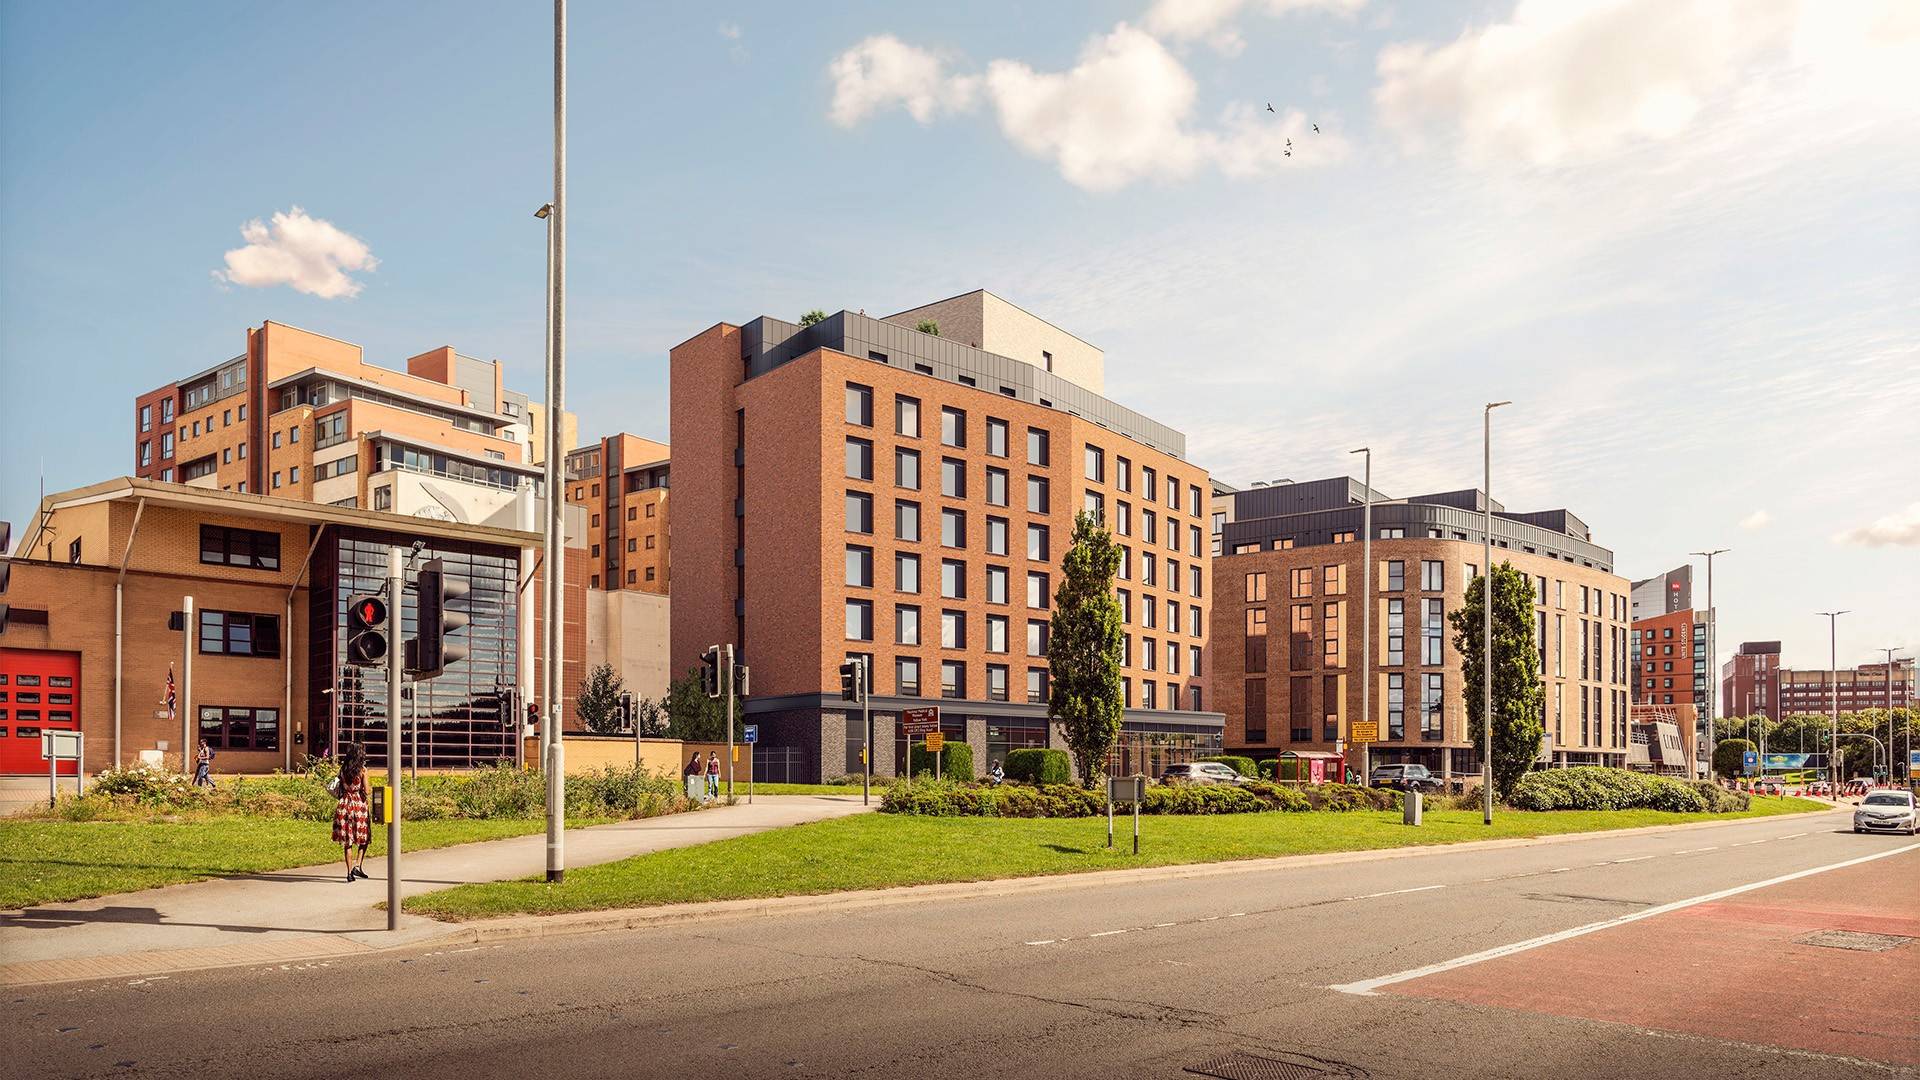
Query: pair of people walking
(709, 769)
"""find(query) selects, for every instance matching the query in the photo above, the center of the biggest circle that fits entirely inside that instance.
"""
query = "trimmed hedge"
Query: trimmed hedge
(1594, 787)
(944, 798)
(1035, 765)
(1270, 768)
(1242, 765)
(955, 760)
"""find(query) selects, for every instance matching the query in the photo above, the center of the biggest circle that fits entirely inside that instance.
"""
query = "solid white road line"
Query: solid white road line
(1369, 987)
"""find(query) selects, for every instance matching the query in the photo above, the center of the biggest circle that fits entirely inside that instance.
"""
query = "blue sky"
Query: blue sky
(1684, 241)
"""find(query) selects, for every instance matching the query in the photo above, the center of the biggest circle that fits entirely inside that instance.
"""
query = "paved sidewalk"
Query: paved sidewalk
(312, 912)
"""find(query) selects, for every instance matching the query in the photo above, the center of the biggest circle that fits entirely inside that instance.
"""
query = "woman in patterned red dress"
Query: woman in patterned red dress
(350, 826)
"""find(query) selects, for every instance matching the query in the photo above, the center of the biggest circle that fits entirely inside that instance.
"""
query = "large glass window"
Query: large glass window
(1433, 631)
(996, 585)
(226, 728)
(1433, 575)
(996, 633)
(906, 676)
(1096, 464)
(1432, 703)
(1039, 594)
(1396, 705)
(1038, 543)
(953, 629)
(239, 633)
(906, 625)
(239, 547)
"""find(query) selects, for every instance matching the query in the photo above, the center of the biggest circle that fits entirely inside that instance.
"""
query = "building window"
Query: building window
(953, 629)
(1147, 565)
(860, 567)
(859, 620)
(1149, 534)
(1256, 657)
(906, 572)
(1037, 685)
(953, 679)
(1125, 599)
(996, 487)
(1038, 450)
(240, 729)
(1432, 631)
(1039, 500)
(1039, 595)
(1334, 579)
(1149, 653)
(996, 633)
(953, 579)
(906, 676)
(237, 633)
(1148, 697)
(1432, 702)
(953, 426)
(859, 512)
(996, 438)
(997, 585)
(382, 497)
(906, 520)
(166, 410)
(1149, 489)
(859, 405)
(906, 469)
(906, 627)
(1396, 575)
(1037, 631)
(1330, 627)
(859, 459)
(1396, 632)
(254, 550)
(1433, 575)
(996, 536)
(1257, 587)
(906, 421)
(953, 478)
(1039, 547)
(1096, 465)
(953, 528)
(1302, 582)
(293, 474)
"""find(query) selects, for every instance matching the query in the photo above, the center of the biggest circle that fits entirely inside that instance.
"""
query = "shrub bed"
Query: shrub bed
(1593, 787)
(944, 798)
(1037, 766)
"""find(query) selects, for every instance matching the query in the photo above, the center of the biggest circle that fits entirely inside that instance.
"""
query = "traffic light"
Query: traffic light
(367, 631)
(740, 680)
(849, 682)
(624, 710)
(710, 671)
(431, 651)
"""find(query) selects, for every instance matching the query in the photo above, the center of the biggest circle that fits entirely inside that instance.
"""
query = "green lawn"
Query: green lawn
(43, 862)
(881, 850)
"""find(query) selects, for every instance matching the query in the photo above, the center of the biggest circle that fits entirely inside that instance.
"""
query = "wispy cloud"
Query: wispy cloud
(1756, 521)
(730, 30)
(1898, 529)
(1212, 20)
(307, 254)
(883, 72)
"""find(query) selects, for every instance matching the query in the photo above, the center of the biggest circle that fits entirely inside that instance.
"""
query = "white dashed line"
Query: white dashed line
(1636, 858)
(1560, 870)
(1107, 933)
(1396, 892)
(1238, 915)
(1049, 941)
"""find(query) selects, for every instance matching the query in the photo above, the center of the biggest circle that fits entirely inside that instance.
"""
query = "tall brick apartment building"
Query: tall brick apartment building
(302, 416)
(1288, 596)
(1750, 680)
(856, 487)
(621, 484)
(1670, 661)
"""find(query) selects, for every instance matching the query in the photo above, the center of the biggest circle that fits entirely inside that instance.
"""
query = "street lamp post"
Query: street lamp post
(1366, 614)
(1486, 617)
(1833, 683)
(554, 213)
(1713, 656)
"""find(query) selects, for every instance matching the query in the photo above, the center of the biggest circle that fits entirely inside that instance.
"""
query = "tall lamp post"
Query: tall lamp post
(1890, 742)
(554, 213)
(1713, 656)
(1486, 618)
(1833, 685)
(1366, 615)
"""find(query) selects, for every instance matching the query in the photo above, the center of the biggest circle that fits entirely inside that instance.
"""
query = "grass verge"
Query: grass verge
(873, 851)
(45, 862)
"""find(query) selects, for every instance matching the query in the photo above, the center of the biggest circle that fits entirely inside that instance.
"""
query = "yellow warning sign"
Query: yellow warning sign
(1364, 731)
(935, 741)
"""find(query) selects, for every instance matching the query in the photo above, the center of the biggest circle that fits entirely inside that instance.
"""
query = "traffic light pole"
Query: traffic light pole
(730, 688)
(866, 714)
(396, 591)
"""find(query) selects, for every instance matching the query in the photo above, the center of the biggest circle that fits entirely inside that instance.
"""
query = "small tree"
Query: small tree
(695, 716)
(1083, 648)
(814, 316)
(652, 717)
(1517, 694)
(928, 326)
(1728, 757)
(598, 703)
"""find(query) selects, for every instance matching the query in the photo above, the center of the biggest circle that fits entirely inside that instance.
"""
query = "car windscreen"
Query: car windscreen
(1887, 799)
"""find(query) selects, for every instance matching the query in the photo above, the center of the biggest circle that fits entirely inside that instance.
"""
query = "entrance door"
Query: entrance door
(39, 691)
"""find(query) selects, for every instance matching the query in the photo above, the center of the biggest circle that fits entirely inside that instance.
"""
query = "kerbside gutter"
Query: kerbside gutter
(119, 628)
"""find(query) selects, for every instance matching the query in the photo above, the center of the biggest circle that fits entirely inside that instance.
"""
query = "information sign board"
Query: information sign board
(935, 742)
(921, 721)
(1364, 731)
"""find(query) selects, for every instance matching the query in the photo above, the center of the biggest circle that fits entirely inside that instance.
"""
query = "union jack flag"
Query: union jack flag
(170, 694)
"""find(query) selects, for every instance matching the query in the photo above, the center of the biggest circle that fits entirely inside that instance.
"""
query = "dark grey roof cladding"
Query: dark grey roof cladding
(766, 343)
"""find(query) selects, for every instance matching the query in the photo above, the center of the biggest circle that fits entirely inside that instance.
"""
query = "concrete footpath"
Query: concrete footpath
(310, 913)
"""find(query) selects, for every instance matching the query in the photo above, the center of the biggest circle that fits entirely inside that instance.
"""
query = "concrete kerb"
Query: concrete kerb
(423, 934)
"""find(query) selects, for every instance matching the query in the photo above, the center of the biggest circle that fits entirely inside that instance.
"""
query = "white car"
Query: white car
(1886, 811)
(1201, 772)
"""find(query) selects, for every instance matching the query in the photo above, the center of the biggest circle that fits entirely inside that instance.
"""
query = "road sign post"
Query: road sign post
(751, 734)
(1131, 789)
(921, 721)
(57, 746)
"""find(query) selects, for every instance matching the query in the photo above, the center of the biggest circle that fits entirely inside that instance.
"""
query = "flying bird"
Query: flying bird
(1316, 129)
(1269, 106)
(1289, 153)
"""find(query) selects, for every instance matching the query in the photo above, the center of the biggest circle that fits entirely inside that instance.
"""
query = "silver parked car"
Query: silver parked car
(1201, 772)
(1886, 811)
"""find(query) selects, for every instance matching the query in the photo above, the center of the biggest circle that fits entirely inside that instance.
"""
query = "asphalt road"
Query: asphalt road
(1092, 980)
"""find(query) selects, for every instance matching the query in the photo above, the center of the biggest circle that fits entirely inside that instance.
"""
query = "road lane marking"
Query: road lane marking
(1107, 933)
(1397, 892)
(1049, 941)
(1370, 987)
(1560, 870)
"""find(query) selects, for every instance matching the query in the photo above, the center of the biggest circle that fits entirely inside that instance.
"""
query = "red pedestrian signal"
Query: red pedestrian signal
(367, 643)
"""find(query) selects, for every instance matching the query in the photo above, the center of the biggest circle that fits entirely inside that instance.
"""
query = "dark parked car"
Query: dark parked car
(1405, 778)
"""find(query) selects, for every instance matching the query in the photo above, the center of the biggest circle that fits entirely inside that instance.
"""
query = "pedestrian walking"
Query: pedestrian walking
(693, 777)
(350, 819)
(713, 774)
(203, 765)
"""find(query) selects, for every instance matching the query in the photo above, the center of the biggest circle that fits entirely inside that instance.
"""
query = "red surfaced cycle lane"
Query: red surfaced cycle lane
(1744, 968)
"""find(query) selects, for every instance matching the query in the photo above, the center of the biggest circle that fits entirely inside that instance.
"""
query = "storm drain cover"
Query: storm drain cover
(1854, 940)
(1243, 1066)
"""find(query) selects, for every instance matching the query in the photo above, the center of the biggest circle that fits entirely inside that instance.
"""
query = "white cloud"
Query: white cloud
(1565, 81)
(1898, 529)
(306, 253)
(883, 71)
(1211, 20)
(730, 30)
(1756, 521)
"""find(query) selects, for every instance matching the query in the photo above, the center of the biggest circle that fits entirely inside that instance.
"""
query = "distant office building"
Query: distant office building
(1813, 690)
(621, 483)
(857, 488)
(1287, 617)
(302, 416)
(1750, 681)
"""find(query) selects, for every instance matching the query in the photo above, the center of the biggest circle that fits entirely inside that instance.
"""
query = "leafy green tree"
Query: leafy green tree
(1728, 757)
(1517, 694)
(696, 717)
(652, 717)
(928, 326)
(598, 703)
(814, 316)
(1083, 648)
